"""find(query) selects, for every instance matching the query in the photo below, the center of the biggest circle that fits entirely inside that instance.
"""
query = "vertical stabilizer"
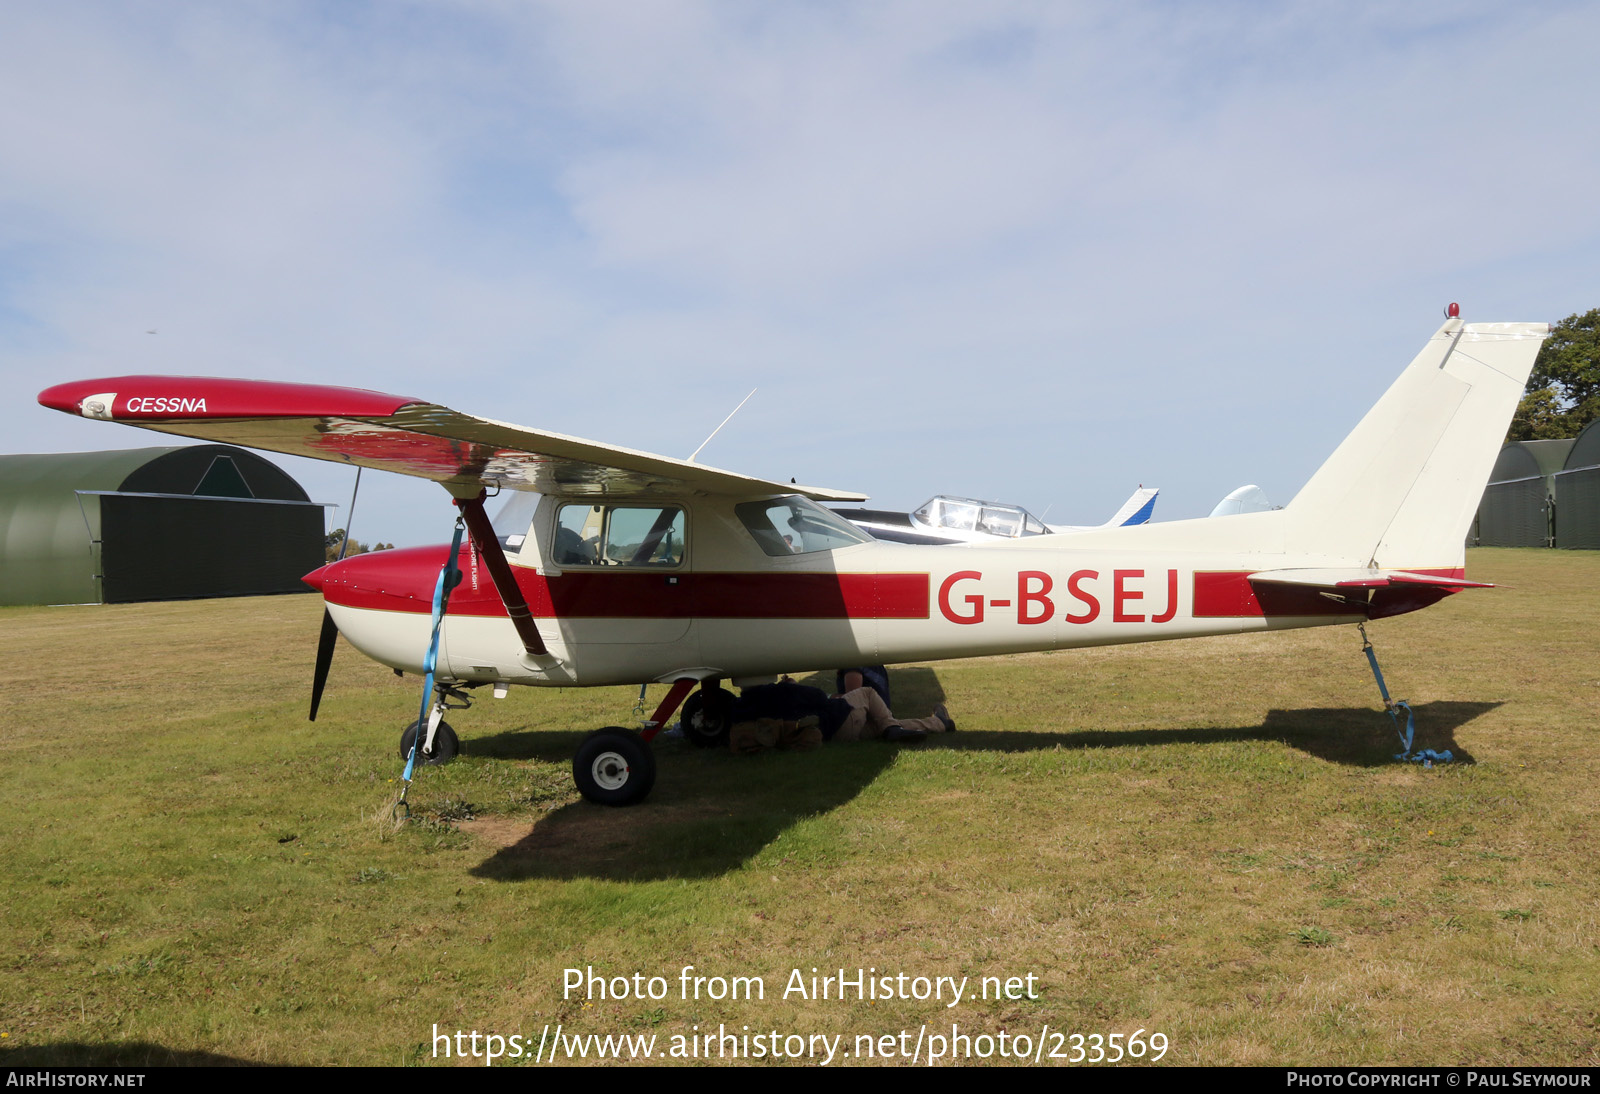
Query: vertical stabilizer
(1138, 509)
(1402, 488)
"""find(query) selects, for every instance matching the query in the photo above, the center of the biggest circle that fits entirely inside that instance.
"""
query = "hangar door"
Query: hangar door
(174, 548)
(207, 520)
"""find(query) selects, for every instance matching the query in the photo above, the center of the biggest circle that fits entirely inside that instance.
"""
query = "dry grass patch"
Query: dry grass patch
(1205, 838)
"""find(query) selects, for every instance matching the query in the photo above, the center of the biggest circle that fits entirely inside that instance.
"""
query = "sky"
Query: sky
(1033, 252)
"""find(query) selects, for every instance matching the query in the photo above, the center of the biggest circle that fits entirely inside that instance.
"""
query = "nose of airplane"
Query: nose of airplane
(399, 579)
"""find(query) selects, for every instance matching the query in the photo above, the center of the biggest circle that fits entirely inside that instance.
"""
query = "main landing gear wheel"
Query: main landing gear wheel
(614, 767)
(707, 717)
(446, 745)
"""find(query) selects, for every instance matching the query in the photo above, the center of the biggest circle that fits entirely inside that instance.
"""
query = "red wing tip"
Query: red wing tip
(138, 399)
(59, 398)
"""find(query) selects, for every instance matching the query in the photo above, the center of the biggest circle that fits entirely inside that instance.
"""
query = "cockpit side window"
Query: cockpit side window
(619, 535)
(796, 526)
(1001, 521)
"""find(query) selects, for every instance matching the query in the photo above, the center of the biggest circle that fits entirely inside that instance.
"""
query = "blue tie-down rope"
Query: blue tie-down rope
(449, 578)
(1427, 757)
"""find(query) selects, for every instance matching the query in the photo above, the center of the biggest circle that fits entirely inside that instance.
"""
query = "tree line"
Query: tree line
(1563, 393)
(335, 539)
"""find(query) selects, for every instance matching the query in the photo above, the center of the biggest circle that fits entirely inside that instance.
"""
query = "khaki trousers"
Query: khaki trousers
(869, 717)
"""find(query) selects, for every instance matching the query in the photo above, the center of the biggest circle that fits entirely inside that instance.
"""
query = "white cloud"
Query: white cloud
(1032, 250)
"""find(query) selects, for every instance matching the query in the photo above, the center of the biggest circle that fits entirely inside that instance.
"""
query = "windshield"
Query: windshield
(515, 517)
(969, 515)
(797, 526)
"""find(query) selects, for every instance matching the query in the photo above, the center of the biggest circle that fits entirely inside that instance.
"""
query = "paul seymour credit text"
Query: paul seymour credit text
(927, 1043)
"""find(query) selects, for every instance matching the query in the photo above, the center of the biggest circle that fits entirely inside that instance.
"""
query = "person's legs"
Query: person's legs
(879, 716)
(873, 717)
(854, 722)
(870, 718)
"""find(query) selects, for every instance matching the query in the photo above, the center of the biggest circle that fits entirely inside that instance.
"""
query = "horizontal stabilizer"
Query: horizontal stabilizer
(1362, 578)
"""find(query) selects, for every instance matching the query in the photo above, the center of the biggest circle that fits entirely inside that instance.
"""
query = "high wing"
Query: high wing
(394, 433)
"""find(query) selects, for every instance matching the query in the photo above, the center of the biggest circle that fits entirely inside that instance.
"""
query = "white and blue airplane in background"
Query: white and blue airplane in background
(949, 519)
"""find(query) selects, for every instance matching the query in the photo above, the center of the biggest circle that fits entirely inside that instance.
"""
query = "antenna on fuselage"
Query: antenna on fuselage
(725, 421)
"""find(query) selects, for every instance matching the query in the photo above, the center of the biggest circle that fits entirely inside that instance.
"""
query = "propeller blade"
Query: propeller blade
(325, 644)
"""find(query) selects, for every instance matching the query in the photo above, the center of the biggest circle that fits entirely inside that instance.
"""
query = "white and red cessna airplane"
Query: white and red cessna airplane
(621, 567)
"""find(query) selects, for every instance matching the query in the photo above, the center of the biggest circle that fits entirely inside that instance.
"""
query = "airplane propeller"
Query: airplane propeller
(325, 644)
(330, 629)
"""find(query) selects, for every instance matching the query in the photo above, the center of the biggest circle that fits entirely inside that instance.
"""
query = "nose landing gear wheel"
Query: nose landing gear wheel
(614, 767)
(446, 745)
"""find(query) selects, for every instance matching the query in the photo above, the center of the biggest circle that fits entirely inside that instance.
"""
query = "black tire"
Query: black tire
(446, 745)
(706, 718)
(614, 767)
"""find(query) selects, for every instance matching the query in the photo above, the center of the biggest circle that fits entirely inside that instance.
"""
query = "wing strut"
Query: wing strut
(669, 704)
(505, 581)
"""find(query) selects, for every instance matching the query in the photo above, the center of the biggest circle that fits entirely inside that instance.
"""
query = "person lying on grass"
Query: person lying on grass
(796, 716)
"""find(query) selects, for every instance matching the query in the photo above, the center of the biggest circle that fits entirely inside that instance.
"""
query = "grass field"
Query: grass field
(1204, 839)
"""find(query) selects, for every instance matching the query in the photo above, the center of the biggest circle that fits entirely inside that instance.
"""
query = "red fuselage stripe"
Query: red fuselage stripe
(1230, 595)
(402, 580)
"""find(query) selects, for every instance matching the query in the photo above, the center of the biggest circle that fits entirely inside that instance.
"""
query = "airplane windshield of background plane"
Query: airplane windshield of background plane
(957, 513)
(515, 517)
(797, 526)
(967, 515)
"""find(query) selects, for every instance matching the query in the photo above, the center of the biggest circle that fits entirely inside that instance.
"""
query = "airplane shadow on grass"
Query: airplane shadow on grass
(1358, 736)
(711, 811)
